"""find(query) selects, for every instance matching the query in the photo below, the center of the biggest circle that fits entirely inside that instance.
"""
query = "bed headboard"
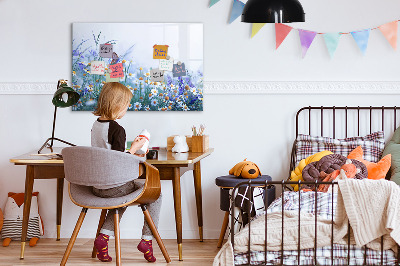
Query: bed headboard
(344, 121)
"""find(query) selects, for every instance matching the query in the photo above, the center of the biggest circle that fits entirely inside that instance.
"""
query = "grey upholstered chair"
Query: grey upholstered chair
(85, 167)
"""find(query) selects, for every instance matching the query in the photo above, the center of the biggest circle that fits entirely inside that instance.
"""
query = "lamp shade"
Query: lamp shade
(273, 11)
(65, 96)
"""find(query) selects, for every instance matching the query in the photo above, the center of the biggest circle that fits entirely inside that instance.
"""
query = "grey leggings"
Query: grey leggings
(154, 208)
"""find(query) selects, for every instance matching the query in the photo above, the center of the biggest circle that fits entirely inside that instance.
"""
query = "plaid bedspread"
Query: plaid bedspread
(307, 202)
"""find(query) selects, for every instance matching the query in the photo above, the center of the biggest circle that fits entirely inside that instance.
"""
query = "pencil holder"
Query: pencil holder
(200, 143)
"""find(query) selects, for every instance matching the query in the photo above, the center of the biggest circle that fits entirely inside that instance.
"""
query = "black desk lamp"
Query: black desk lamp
(273, 11)
(64, 97)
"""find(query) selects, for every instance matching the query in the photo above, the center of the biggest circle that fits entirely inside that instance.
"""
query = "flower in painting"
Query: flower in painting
(137, 105)
(147, 108)
(90, 102)
(185, 108)
(154, 102)
(154, 91)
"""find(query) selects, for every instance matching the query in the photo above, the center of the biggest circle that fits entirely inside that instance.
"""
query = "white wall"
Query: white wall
(35, 40)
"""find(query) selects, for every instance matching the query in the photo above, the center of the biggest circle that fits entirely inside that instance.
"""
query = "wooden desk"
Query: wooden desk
(171, 167)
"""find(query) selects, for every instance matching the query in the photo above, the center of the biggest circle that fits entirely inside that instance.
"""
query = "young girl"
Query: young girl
(113, 103)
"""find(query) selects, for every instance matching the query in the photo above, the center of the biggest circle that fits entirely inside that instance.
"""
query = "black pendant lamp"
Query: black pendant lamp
(273, 11)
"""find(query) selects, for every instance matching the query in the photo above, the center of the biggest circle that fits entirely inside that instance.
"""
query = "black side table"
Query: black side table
(226, 183)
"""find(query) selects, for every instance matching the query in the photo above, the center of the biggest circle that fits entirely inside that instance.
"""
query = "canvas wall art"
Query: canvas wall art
(161, 63)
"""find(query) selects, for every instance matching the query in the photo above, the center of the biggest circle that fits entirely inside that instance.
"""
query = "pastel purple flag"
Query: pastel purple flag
(237, 9)
(306, 39)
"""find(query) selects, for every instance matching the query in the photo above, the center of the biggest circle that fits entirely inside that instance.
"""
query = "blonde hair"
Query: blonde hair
(113, 98)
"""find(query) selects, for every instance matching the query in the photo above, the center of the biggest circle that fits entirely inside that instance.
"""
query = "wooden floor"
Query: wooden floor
(50, 252)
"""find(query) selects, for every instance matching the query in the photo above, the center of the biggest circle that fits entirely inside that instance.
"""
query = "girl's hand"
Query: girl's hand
(142, 155)
(137, 144)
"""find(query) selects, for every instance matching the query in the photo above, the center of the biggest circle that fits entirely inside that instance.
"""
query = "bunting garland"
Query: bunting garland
(361, 37)
(281, 31)
(389, 30)
(256, 27)
(306, 39)
(213, 2)
(332, 41)
(237, 9)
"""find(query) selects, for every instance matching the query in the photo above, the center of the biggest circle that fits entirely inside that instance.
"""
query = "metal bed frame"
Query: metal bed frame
(283, 184)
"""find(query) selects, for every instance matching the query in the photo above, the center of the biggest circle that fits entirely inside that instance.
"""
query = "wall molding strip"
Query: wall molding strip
(247, 87)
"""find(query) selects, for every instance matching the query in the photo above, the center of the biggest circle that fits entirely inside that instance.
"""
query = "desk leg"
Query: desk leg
(60, 190)
(27, 206)
(176, 182)
(199, 204)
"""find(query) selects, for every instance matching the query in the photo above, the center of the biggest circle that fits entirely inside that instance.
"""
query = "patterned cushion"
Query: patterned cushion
(372, 144)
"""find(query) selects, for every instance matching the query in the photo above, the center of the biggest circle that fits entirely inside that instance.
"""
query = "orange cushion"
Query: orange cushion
(375, 170)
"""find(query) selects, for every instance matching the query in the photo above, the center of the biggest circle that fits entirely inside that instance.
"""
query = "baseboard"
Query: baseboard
(247, 87)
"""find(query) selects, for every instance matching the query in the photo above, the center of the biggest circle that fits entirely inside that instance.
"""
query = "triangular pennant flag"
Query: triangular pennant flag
(306, 39)
(213, 2)
(281, 31)
(237, 9)
(390, 32)
(332, 41)
(361, 37)
(256, 27)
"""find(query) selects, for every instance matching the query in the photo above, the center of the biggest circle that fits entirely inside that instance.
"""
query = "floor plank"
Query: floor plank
(49, 252)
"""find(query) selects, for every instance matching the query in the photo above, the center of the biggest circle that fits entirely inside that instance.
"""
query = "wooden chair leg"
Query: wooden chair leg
(73, 237)
(223, 229)
(154, 230)
(117, 238)
(101, 222)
